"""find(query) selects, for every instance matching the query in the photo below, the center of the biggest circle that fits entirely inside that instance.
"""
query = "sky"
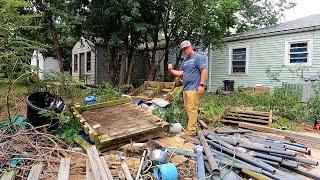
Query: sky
(302, 9)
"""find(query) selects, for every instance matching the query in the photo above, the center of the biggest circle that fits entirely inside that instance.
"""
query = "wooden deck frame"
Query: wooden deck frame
(103, 139)
(155, 86)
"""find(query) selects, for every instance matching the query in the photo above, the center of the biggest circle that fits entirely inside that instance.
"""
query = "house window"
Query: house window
(298, 52)
(238, 60)
(75, 62)
(88, 61)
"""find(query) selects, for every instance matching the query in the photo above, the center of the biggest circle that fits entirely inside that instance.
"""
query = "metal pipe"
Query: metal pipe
(231, 140)
(273, 176)
(272, 163)
(231, 131)
(296, 148)
(200, 163)
(298, 159)
(221, 142)
(208, 153)
(221, 159)
(267, 150)
(306, 173)
(267, 156)
(289, 164)
(245, 157)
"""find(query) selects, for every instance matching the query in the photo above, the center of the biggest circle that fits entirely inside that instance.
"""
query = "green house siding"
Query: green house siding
(263, 52)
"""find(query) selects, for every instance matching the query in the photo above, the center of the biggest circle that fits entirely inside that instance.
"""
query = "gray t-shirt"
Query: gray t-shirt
(191, 67)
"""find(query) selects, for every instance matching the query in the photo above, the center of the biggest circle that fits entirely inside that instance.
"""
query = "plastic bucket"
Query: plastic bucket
(39, 101)
(165, 172)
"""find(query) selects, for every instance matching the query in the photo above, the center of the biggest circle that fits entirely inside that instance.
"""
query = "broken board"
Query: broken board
(116, 122)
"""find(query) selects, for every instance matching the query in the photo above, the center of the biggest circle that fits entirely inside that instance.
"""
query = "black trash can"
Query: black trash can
(38, 101)
(228, 85)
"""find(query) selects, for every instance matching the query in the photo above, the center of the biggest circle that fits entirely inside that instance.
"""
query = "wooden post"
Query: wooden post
(105, 165)
(64, 169)
(270, 119)
(208, 153)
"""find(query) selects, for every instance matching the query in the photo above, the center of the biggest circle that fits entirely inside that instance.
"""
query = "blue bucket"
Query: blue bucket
(165, 172)
(90, 99)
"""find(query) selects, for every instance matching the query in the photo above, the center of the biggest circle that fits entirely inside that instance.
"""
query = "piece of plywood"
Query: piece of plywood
(174, 142)
(35, 171)
(9, 175)
(96, 164)
(64, 169)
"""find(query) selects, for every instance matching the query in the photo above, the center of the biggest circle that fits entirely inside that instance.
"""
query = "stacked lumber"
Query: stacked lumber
(256, 117)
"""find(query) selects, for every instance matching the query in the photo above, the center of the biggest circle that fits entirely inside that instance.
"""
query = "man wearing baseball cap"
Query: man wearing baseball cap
(193, 71)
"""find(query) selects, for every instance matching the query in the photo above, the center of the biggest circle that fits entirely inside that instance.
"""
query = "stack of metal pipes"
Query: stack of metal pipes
(224, 154)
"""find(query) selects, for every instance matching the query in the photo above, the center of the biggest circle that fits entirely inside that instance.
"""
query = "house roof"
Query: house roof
(308, 23)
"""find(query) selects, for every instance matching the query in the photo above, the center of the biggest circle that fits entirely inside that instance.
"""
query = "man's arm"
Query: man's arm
(203, 75)
(176, 73)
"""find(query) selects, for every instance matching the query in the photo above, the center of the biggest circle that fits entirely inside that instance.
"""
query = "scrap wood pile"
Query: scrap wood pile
(23, 148)
(248, 154)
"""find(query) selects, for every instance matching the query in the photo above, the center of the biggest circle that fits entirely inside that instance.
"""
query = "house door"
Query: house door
(81, 72)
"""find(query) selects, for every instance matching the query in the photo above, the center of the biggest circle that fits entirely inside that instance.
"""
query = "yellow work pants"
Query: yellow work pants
(191, 103)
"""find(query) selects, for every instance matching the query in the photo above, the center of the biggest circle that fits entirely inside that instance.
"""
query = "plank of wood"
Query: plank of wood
(259, 113)
(64, 169)
(254, 175)
(89, 173)
(106, 104)
(248, 115)
(203, 124)
(35, 171)
(96, 164)
(105, 165)
(9, 175)
(246, 119)
(296, 136)
(83, 143)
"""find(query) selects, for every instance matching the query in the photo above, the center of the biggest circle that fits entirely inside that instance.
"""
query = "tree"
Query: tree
(16, 46)
(63, 21)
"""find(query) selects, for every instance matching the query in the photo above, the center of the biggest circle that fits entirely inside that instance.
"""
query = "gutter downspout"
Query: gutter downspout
(209, 67)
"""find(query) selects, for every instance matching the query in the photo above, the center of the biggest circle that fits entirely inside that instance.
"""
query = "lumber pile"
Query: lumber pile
(153, 89)
(235, 116)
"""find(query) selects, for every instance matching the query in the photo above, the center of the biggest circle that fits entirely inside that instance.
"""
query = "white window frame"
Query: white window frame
(287, 52)
(231, 48)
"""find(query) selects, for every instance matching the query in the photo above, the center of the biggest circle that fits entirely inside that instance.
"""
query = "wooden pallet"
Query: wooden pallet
(152, 89)
(235, 116)
(115, 122)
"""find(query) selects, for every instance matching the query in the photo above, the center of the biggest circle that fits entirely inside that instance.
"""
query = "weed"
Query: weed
(69, 130)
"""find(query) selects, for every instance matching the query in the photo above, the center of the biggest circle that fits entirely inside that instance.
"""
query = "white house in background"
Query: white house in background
(45, 65)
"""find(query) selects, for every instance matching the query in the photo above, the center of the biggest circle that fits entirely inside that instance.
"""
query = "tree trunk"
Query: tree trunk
(122, 65)
(133, 52)
(178, 60)
(153, 68)
(166, 57)
(57, 48)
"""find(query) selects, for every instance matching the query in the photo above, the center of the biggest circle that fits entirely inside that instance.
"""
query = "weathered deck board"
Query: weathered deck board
(64, 169)
(96, 164)
(9, 175)
(35, 171)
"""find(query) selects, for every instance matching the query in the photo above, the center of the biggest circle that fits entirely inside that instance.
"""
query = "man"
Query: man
(194, 72)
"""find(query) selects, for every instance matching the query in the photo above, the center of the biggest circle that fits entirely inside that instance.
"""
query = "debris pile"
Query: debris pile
(251, 155)
(25, 147)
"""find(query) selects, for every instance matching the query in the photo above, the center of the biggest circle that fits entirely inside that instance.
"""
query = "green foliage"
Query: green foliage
(210, 109)
(174, 113)
(69, 130)
(285, 124)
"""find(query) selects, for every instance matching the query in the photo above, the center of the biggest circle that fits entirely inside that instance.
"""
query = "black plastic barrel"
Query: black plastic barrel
(39, 101)
(228, 85)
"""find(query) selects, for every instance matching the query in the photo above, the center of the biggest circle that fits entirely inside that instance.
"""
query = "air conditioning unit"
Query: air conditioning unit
(302, 88)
